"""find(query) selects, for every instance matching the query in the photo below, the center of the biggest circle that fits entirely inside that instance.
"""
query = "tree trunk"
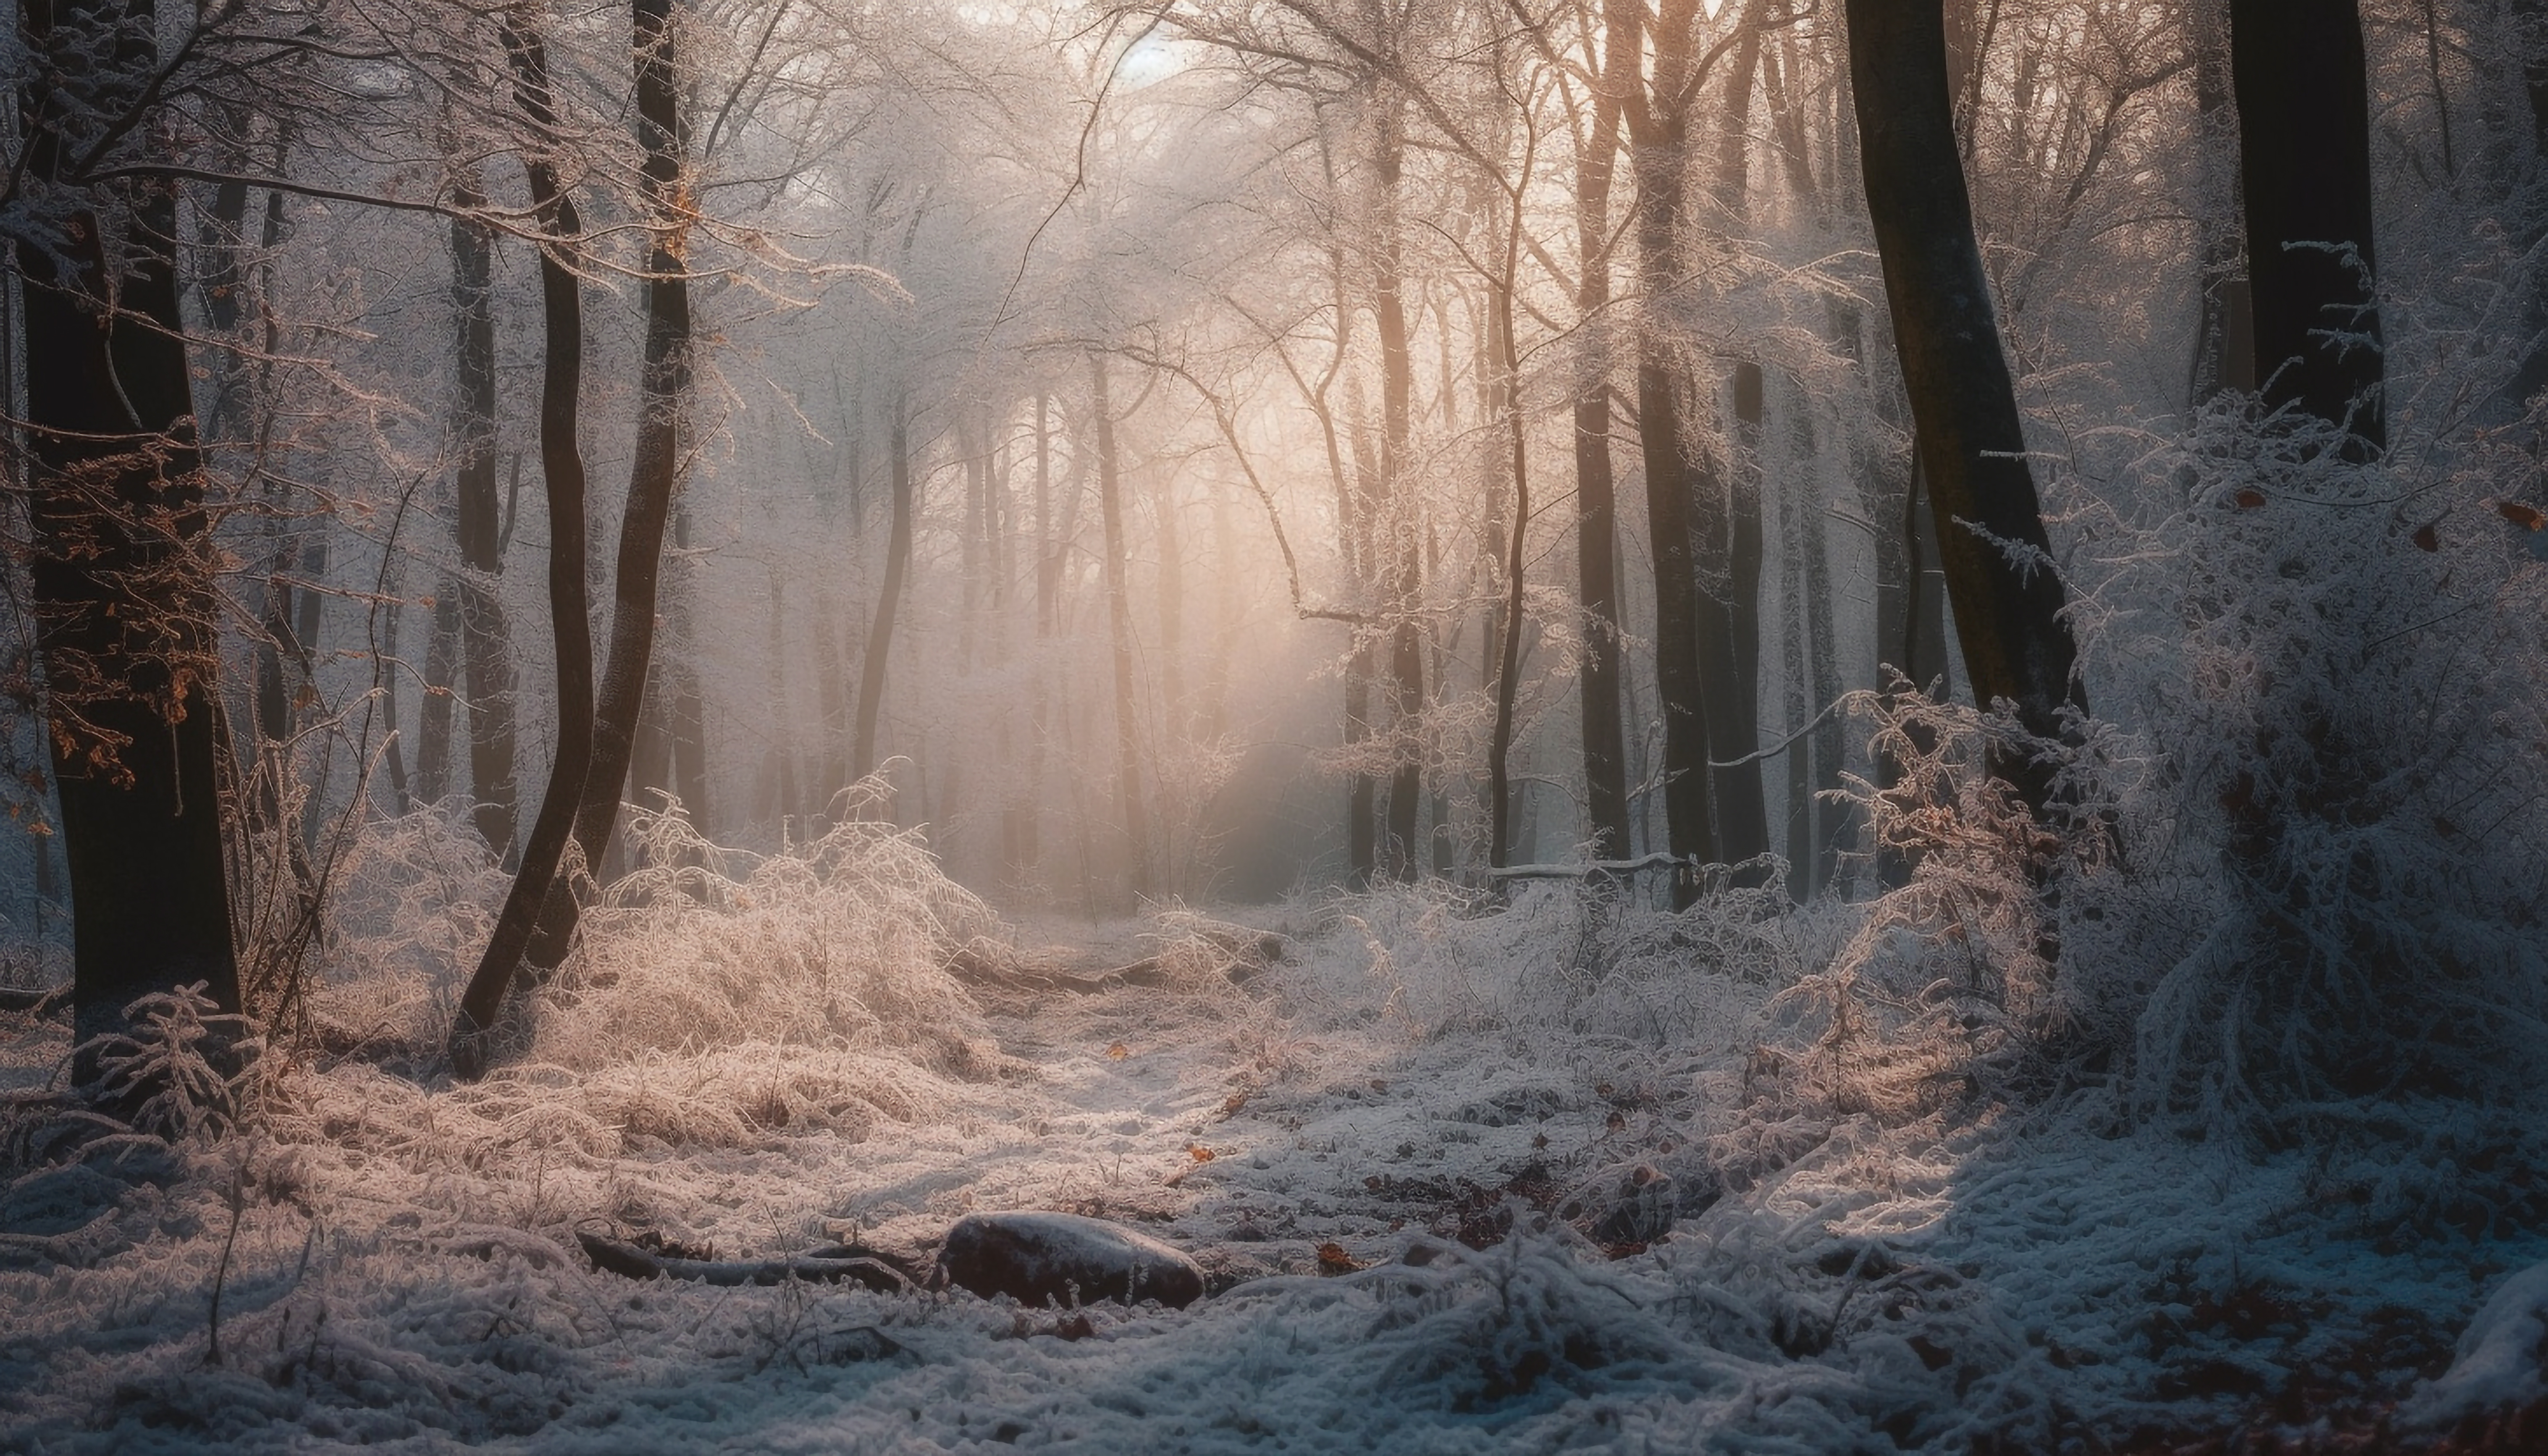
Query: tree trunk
(2531, 16)
(1048, 566)
(2305, 174)
(653, 474)
(122, 575)
(434, 715)
(1597, 561)
(2225, 334)
(1963, 405)
(1660, 137)
(897, 563)
(664, 382)
(1508, 660)
(1118, 618)
(487, 646)
(535, 884)
(1730, 529)
(1397, 506)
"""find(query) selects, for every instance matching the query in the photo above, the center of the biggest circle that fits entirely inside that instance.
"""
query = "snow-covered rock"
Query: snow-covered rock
(1047, 1258)
(2501, 1359)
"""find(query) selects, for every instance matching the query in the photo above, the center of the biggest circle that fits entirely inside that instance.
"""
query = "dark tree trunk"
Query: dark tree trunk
(1963, 405)
(1660, 138)
(1596, 560)
(897, 563)
(1119, 620)
(434, 715)
(2305, 159)
(1731, 539)
(1048, 565)
(2532, 376)
(122, 575)
(654, 476)
(486, 639)
(1508, 659)
(831, 759)
(535, 883)
(1397, 510)
(2225, 334)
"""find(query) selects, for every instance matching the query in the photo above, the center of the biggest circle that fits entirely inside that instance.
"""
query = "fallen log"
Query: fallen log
(818, 1267)
(36, 1001)
(1656, 861)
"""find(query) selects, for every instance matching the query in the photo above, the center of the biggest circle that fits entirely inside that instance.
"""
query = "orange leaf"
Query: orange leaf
(2528, 518)
(2250, 500)
(1333, 1259)
(1202, 1154)
(1118, 1053)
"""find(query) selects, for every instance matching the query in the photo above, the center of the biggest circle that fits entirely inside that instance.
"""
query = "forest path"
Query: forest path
(1257, 1123)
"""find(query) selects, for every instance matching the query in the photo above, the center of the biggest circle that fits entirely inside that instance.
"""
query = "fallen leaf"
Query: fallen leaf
(2528, 518)
(1202, 1154)
(2426, 539)
(1333, 1259)
(1618, 1121)
(2250, 500)
(1118, 1053)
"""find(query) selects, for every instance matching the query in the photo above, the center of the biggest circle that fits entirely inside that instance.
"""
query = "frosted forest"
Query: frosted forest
(1770, 726)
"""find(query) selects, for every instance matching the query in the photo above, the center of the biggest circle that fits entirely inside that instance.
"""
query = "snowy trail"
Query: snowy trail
(394, 1262)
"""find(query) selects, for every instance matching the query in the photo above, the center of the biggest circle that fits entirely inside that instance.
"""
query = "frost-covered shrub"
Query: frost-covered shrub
(164, 1072)
(841, 940)
(1561, 954)
(2339, 666)
(409, 907)
(1953, 977)
(1493, 1324)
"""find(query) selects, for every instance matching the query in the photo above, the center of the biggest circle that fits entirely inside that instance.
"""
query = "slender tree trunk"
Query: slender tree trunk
(2225, 334)
(1730, 532)
(486, 640)
(1399, 507)
(1829, 811)
(685, 705)
(535, 884)
(2531, 16)
(653, 474)
(1660, 137)
(1605, 755)
(897, 564)
(1508, 659)
(1118, 618)
(1047, 562)
(664, 382)
(434, 715)
(2305, 174)
(831, 759)
(121, 576)
(1170, 582)
(2016, 646)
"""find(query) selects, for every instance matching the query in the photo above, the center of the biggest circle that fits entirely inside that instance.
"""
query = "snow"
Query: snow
(2502, 1357)
(394, 1264)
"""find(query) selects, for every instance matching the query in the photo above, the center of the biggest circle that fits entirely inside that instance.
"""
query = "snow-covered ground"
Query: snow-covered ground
(1679, 1252)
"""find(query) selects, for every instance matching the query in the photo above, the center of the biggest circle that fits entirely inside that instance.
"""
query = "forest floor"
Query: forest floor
(1635, 1241)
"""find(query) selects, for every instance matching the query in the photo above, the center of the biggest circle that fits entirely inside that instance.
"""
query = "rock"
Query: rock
(1062, 1259)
